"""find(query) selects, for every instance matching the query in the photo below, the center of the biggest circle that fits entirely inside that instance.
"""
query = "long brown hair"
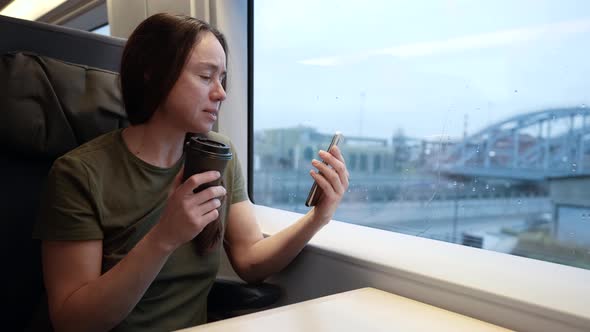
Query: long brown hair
(152, 61)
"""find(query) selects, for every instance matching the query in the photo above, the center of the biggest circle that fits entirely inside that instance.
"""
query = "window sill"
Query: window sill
(519, 293)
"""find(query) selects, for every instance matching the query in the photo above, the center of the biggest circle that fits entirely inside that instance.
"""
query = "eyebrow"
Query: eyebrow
(210, 65)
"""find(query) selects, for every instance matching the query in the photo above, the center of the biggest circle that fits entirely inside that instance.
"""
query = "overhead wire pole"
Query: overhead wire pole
(571, 141)
(361, 112)
(547, 144)
(464, 147)
(581, 152)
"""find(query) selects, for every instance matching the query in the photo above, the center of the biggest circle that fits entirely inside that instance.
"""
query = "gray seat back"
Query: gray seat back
(47, 107)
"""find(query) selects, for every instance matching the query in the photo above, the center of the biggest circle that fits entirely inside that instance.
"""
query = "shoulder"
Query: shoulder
(219, 138)
(225, 140)
(222, 139)
(89, 153)
(102, 142)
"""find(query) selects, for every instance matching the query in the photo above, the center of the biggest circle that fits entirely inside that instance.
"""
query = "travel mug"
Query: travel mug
(201, 155)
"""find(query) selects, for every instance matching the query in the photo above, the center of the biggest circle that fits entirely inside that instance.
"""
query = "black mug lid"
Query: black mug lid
(209, 146)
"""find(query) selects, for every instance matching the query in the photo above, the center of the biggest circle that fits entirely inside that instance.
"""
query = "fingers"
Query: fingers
(330, 175)
(335, 151)
(196, 180)
(209, 217)
(336, 161)
(186, 213)
(205, 201)
(323, 183)
(207, 195)
(207, 207)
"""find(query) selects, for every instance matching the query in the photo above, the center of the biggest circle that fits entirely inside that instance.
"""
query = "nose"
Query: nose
(218, 92)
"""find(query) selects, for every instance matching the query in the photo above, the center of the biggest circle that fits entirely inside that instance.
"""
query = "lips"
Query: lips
(212, 114)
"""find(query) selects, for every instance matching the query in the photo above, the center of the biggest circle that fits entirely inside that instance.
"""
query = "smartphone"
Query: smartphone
(316, 192)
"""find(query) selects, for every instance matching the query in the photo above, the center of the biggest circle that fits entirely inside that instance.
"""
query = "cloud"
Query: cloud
(480, 41)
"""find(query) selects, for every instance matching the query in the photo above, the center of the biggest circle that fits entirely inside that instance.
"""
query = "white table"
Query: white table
(365, 309)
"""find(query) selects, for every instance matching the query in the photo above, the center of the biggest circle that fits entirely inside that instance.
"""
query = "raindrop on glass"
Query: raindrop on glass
(518, 202)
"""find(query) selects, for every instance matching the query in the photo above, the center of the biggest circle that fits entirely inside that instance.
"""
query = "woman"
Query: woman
(117, 223)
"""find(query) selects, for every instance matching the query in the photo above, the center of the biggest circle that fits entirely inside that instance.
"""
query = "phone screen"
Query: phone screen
(316, 192)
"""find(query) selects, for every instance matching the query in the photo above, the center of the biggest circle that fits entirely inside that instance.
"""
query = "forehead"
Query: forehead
(208, 49)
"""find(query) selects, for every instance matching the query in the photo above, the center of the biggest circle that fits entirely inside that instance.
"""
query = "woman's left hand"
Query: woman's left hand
(333, 179)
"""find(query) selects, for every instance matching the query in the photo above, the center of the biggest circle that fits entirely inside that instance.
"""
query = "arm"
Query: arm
(254, 257)
(81, 299)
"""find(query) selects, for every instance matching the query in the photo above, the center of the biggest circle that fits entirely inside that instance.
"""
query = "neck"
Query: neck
(155, 143)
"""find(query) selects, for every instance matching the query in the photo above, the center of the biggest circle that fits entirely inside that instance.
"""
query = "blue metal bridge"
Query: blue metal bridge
(531, 146)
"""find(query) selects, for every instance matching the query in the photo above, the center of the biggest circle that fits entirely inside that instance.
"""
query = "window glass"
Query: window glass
(103, 30)
(464, 121)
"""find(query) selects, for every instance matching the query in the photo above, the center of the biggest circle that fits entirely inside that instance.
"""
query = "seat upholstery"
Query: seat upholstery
(31, 138)
(47, 107)
(51, 106)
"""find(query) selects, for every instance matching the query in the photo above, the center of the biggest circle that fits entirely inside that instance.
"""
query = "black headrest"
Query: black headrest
(48, 106)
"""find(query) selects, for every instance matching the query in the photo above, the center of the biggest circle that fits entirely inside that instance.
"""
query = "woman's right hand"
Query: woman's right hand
(186, 214)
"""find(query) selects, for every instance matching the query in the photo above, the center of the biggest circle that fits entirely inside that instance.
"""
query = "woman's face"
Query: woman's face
(193, 103)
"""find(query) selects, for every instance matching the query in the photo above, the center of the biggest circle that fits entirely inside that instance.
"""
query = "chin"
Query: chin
(199, 125)
(202, 129)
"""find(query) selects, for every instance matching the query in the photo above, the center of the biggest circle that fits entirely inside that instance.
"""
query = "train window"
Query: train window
(103, 30)
(464, 121)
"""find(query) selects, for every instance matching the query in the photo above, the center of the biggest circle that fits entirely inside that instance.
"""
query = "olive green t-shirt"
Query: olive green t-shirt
(101, 191)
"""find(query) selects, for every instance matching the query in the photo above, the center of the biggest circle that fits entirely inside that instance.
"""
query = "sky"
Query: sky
(429, 68)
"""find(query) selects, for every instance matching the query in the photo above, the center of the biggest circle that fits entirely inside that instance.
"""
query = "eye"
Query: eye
(205, 77)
